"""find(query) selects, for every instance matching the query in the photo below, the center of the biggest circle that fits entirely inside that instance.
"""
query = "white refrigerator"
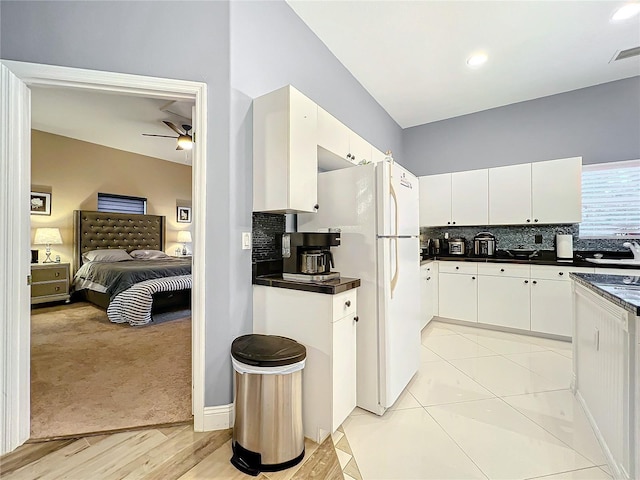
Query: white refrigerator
(375, 207)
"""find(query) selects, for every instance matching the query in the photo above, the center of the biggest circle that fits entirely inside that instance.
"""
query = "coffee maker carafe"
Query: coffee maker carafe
(307, 256)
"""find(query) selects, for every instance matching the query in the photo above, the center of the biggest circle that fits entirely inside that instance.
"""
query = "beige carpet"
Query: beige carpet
(90, 375)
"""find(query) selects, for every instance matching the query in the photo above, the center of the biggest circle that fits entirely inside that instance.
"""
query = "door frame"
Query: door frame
(14, 373)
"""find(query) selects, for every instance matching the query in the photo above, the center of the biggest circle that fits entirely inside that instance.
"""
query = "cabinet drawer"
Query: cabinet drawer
(49, 288)
(458, 267)
(48, 274)
(556, 272)
(344, 304)
(504, 270)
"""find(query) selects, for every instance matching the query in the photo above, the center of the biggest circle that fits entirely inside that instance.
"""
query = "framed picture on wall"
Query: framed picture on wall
(40, 203)
(184, 215)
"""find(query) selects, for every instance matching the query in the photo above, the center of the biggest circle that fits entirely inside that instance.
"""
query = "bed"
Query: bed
(132, 290)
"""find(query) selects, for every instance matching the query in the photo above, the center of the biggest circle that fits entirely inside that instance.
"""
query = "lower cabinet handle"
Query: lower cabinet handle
(534, 282)
(526, 281)
(428, 278)
(348, 303)
(356, 318)
(473, 278)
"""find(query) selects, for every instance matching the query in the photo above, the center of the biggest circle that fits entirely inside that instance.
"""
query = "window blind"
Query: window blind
(108, 202)
(611, 200)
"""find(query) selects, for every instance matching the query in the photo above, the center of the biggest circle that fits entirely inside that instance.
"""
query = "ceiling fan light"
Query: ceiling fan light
(185, 142)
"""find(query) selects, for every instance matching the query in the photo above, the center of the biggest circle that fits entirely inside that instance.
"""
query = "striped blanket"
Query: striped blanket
(133, 305)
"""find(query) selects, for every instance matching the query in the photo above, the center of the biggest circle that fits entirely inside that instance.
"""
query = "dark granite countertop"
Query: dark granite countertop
(544, 258)
(330, 287)
(622, 290)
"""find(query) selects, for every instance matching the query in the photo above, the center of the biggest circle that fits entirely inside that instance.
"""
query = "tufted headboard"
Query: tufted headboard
(95, 230)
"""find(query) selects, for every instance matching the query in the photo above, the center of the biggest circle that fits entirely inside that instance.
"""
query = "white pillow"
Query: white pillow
(148, 254)
(106, 255)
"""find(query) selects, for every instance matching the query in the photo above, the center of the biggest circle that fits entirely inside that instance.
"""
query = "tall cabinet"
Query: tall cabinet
(285, 161)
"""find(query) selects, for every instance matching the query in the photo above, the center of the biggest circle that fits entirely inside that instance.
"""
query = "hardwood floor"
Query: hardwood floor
(153, 454)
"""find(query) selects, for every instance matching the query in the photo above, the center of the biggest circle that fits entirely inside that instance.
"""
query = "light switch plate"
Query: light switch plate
(246, 240)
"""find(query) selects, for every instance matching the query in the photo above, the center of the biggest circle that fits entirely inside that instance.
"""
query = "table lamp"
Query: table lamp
(184, 237)
(48, 237)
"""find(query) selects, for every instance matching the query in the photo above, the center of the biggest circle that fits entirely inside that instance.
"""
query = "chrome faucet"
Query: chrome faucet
(635, 249)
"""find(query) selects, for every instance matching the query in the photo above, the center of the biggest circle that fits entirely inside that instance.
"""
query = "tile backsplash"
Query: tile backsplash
(267, 236)
(514, 236)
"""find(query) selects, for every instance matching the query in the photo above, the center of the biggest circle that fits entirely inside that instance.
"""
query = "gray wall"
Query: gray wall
(241, 50)
(600, 124)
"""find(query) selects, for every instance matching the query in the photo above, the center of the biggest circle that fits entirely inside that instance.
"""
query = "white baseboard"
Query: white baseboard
(219, 417)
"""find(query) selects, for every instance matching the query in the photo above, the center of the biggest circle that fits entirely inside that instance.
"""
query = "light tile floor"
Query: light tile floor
(483, 404)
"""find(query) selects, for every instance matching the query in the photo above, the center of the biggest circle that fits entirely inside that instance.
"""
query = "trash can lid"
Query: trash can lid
(267, 350)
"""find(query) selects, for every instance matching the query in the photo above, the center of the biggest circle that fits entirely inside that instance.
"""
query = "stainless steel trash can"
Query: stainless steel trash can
(267, 432)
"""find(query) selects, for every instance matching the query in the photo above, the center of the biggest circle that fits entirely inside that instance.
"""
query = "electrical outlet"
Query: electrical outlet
(246, 240)
(538, 238)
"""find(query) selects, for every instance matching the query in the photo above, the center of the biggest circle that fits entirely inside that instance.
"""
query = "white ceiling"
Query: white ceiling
(411, 55)
(113, 120)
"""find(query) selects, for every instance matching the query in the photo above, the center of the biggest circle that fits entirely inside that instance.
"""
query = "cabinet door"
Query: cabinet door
(470, 197)
(344, 369)
(458, 296)
(333, 135)
(359, 149)
(510, 195)
(377, 155)
(504, 301)
(435, 200)
(551, 306)
(303, 156)
(426, 295)
(556, 190)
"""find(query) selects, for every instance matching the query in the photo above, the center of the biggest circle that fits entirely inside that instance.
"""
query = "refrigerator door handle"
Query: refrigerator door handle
(394, 279)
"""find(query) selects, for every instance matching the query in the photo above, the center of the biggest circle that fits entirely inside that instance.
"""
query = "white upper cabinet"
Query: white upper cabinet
(435, 200)
(336, 139)
(556, 188)
(458, 198)
(541, 192)
(469, 197)
(510, 195)
(285, 161)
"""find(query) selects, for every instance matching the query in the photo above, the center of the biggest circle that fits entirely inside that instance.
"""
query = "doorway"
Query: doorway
(17, 77)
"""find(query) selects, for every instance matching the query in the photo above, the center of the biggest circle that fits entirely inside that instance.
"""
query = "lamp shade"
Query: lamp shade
(47, 236)
(184, 236)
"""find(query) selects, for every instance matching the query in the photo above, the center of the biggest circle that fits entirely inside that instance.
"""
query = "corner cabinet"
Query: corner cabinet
(326, 326)
(285, 160)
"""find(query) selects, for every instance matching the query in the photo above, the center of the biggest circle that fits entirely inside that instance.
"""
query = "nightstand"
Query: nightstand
(49, 282)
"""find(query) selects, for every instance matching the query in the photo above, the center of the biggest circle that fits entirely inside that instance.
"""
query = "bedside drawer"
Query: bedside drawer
(48, 274)
(49, 288)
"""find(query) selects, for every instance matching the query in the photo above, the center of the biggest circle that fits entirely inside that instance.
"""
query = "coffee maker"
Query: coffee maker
(307, 257)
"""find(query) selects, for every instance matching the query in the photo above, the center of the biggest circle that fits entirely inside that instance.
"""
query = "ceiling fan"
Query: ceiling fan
(185, 140)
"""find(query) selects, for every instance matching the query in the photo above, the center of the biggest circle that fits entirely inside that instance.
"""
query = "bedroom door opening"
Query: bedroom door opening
(17, 79)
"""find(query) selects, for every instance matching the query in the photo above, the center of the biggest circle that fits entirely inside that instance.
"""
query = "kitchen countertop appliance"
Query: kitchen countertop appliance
(484, 245)
(457, 246)
(376, 206)
(307, 257)
(564, 247)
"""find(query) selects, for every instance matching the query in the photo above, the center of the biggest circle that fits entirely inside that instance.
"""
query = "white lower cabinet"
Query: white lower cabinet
(458, 291)
(326, 326)
(504, 301)
(534, 298)
(428, 292)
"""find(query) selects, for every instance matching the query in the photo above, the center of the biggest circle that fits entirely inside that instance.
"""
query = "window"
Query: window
(611, 200)
(108, 202)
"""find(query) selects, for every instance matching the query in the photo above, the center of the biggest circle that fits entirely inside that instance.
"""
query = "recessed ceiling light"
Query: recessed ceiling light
(626, 12)
(477, 59)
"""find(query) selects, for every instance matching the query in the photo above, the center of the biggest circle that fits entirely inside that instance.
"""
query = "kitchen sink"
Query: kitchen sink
(614, 261)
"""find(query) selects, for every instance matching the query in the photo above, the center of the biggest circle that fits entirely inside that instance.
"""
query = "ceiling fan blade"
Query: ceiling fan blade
(173, 127)
(152, 135)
